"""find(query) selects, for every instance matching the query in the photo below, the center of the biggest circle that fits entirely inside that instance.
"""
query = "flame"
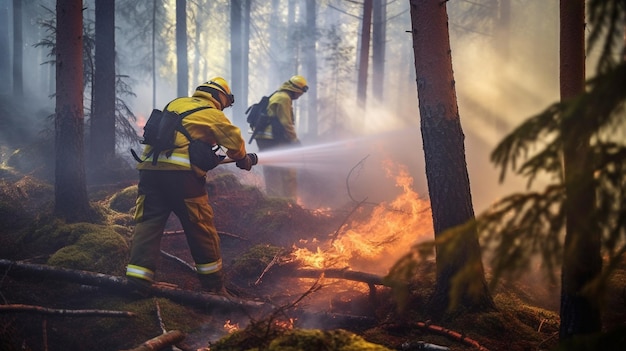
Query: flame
(375, 244)
(140, 122)
(231, 328)
(285, 324)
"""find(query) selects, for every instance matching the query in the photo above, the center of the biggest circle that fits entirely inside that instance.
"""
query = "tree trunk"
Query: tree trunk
(102, 134)
(458, 259)
(311, 66)
(18, 81)
(580, 313)
(71, 201)
(5, 55)
(153, 48)
(245, 82)
(379, 25)
(364, 54)
(182, 61)
(236, 61)
(277, 42)
(503, 30)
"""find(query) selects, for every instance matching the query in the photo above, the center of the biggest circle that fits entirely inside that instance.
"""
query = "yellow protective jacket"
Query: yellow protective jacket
(280, 106)
(209, 125)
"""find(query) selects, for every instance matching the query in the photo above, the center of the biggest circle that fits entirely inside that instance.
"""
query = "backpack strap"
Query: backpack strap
(180, 127)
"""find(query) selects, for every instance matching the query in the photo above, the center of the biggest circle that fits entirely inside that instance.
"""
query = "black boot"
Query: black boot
(213, 283)
(139, 287)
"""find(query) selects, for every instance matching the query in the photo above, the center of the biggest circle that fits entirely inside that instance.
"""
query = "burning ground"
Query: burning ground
(306, 279)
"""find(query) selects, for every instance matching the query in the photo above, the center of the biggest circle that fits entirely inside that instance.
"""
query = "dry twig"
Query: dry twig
(267, 268)
(179, 260)
(452, 334)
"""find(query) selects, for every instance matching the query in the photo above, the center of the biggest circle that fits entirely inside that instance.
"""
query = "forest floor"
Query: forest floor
(257, 239)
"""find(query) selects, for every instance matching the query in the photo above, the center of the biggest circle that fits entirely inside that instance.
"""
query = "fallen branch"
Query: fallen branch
(55, 311)
(179, 260)
(368, 278)
(267, 268)
(158, 343)
(179, 232)
(118, 285)
(452, 334)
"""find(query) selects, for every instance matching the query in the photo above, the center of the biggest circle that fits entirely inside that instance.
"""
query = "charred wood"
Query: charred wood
(368, 278)
(455, 335)
(292, 269)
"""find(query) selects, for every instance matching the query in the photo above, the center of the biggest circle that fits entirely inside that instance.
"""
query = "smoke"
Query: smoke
(495, 93)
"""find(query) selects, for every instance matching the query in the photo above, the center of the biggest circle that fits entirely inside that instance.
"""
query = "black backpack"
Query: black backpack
(257, 116)
(160, 133)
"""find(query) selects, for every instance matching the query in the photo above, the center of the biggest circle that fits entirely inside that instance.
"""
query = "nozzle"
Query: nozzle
(253, 157)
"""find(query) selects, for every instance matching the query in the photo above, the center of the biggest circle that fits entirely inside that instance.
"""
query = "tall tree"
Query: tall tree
(102, 122)
(310, 66)
(71, 201)
(245, 82)
(364, 54)
(577, 141)
(153, 51)
(379, 27)
(236, 60)
(580, 312)
(458, 256)
(182, 61)
(5, 40)
(18, 50)
(276, 46)
(503, 30)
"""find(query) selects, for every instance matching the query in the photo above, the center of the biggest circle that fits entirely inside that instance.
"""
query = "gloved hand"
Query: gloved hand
(246, 162)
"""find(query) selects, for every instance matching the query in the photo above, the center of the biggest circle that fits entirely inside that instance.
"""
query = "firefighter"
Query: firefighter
(175, 184)
(281, 132)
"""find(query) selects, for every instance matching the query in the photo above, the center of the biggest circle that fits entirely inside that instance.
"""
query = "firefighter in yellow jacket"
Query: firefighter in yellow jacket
(281, 133)
(175, 184)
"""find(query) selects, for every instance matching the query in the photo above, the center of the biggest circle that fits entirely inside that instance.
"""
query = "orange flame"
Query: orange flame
(391, 230)
(285, 324)
(231, 328)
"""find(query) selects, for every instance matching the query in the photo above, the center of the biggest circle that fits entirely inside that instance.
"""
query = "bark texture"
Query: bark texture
(71, 201)
(580, 312)
(460, 274)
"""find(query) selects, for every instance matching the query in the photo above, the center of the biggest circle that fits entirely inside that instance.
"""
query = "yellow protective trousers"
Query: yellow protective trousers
(279, 181)
(159, 194)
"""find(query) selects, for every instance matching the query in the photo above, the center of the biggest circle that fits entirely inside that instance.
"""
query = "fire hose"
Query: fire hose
(253, 157)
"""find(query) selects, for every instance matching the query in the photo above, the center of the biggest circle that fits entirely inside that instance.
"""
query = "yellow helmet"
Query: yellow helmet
(299, 82)
(219, 86)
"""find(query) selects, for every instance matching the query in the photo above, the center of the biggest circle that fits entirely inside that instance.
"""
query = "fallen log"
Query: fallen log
(116, 284)
(160, 342)
(451, 334)
(292, 270)
(64, 312)
(368, 278)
